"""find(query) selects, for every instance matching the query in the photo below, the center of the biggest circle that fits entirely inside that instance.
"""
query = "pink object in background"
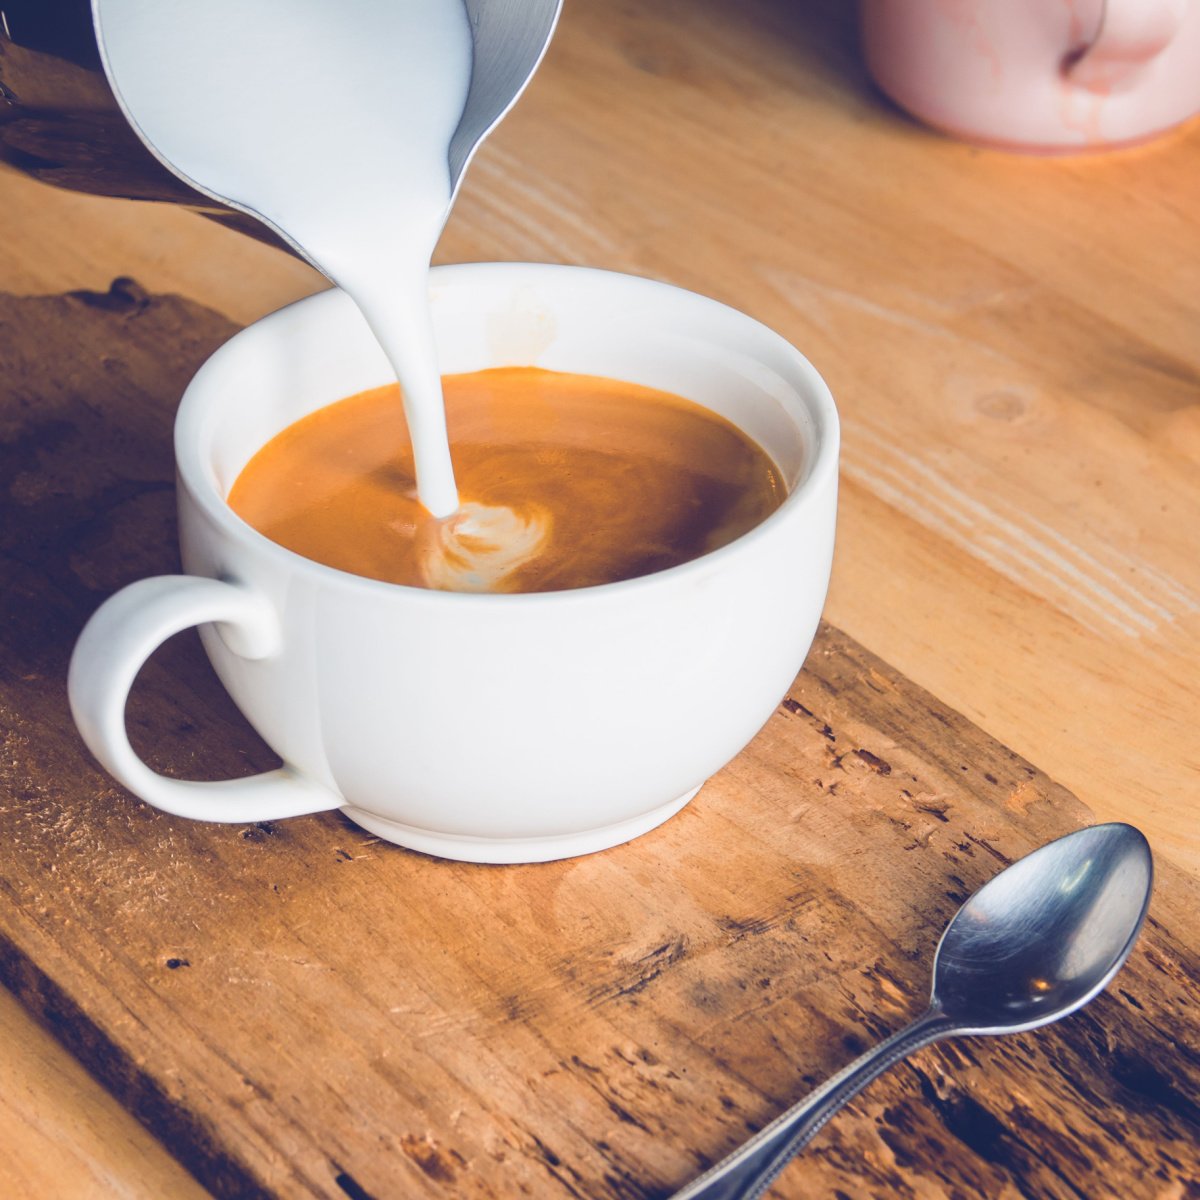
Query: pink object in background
(1039, 75)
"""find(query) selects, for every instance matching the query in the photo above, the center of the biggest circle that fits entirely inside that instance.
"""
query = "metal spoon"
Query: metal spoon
(1034, 944)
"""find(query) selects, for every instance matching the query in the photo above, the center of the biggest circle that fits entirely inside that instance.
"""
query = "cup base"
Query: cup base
(1055, 144)
(515, 850)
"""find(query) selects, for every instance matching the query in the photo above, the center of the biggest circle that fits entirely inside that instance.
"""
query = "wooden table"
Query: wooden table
(1012, 343)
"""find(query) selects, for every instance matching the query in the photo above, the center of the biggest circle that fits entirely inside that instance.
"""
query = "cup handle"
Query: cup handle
(124, 631)
(1131, 34)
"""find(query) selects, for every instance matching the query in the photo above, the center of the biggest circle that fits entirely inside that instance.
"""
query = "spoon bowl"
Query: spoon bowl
(1046, 935)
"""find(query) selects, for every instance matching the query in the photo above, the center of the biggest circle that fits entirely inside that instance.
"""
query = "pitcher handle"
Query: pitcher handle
(123, 632)
(1131, 34)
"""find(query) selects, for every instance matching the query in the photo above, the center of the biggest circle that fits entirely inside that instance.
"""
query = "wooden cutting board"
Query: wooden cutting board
(299, 1010)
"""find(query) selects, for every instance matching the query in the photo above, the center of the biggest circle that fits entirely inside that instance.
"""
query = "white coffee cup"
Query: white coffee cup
(488, 728)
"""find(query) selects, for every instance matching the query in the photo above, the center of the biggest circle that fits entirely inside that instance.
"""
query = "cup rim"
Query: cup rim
(195, 477)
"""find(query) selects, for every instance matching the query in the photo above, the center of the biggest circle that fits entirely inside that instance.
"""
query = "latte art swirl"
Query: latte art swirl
(480, 548)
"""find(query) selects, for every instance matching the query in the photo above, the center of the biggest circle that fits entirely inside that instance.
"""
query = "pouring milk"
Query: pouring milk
(330, 120)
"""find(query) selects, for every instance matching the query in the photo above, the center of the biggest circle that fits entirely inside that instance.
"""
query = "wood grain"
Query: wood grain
(1011, 342)
(297, 1009)
(64, 1136)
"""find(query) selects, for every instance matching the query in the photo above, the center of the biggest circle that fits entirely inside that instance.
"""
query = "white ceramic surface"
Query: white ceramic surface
(489, 728)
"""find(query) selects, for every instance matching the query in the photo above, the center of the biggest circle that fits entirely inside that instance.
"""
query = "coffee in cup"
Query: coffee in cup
(566, 481)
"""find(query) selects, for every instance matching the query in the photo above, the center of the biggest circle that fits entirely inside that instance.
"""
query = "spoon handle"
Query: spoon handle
(752, 1168)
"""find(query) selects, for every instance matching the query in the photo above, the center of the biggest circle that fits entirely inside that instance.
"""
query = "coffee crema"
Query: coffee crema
(566, 481)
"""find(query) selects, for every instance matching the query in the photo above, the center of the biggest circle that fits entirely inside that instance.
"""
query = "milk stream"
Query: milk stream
(331, 120)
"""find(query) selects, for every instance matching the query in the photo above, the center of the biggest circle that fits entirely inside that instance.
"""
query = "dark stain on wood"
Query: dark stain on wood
(1148, 1088)
(640, 972)
(967, 1120)
(440, 1165)
(879, 765)
(794, 706)
(194, 1143)
(260, 831)
(350, 1185)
